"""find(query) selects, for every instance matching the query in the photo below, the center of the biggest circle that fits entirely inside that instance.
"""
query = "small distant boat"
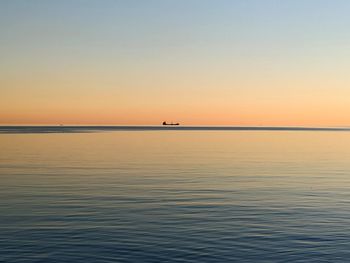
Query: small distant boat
(165, 123)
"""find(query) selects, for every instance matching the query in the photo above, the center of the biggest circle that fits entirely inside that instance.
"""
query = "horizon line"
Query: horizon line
(93, 128)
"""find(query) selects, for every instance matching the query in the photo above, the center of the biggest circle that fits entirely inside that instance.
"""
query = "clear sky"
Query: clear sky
(198, 62)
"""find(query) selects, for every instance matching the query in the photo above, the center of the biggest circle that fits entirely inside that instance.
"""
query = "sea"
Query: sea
(174, 194)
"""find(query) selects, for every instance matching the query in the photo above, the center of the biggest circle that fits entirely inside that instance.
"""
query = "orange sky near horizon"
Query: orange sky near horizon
(234, 100)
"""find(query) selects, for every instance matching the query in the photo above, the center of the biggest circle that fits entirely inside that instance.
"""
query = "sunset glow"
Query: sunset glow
(276, 63)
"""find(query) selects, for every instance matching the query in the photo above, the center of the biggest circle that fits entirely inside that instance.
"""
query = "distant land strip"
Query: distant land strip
(89, 129)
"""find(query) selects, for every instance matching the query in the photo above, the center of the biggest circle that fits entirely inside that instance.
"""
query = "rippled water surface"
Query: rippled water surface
(175, 196)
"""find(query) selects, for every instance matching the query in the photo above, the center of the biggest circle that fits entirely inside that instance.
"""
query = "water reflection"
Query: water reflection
(189, 196)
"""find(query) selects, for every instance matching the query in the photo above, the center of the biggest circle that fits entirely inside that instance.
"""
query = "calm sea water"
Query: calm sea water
(175, 196)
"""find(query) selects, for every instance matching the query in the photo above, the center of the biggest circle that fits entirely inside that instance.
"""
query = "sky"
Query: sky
(197, 62)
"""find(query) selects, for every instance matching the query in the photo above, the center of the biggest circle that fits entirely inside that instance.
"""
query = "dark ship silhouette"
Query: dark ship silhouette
(165, 123)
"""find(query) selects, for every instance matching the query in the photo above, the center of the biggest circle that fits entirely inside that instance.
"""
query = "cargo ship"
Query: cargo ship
(165, 123)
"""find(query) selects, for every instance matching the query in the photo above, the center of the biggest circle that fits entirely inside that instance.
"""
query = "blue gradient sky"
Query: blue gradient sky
(247, 62)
